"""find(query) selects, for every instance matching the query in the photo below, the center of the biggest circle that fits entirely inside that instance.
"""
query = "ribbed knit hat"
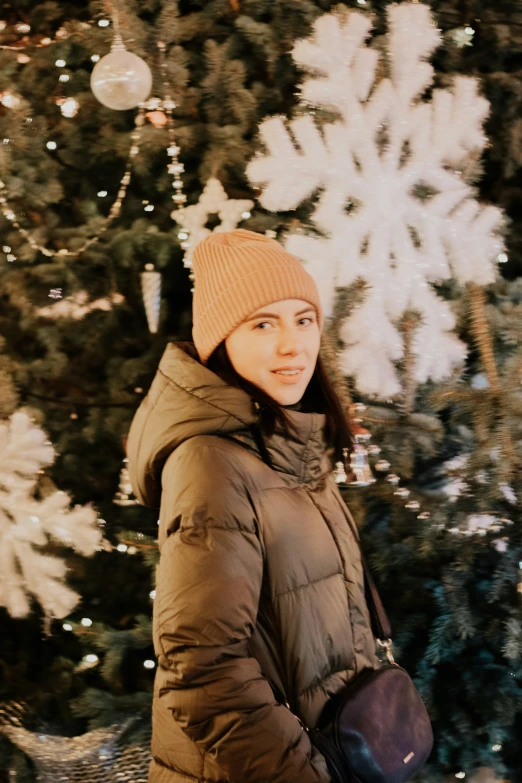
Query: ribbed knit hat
(237, 272)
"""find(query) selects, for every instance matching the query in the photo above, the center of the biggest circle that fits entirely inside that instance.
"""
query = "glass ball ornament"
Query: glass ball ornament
(121, 80)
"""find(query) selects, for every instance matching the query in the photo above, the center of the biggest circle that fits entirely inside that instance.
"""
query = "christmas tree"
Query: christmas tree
(92, 196)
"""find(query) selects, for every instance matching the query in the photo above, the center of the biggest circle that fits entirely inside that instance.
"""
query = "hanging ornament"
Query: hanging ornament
(121, 80)
(151, 291)
(125, 495)
(361, 470)
(339, 471)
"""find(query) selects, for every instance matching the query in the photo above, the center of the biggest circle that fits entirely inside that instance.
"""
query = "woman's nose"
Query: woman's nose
(290, 342)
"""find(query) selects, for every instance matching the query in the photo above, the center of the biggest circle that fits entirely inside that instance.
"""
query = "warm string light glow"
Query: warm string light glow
(114, 211)
(174, 168)
(61, 35)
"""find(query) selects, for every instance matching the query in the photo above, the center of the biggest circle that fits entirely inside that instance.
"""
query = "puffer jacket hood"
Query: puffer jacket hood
(187, 399)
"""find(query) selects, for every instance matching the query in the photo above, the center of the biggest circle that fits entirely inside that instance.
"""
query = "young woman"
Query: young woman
(260, 615)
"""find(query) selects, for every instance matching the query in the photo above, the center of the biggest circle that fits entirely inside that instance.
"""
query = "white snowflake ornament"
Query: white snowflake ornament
(213, 201)
(28, 523)
(392, 206)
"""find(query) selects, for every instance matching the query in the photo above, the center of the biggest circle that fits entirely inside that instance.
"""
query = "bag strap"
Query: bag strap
(380, 622)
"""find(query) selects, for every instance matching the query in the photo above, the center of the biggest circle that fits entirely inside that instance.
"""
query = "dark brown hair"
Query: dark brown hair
(319, 397)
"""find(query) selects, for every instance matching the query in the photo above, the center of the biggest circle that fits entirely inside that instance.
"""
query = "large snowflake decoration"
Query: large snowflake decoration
(28, 522)
(392, 206)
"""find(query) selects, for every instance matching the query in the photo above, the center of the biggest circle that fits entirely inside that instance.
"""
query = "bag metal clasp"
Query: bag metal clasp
(388, 647)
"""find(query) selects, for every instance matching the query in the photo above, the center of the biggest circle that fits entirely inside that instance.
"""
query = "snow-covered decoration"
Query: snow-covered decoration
(28, 522)
(77, 306)
(392, 207)
(480, 525)
(508, 493)
(462, 36)
(213, 201)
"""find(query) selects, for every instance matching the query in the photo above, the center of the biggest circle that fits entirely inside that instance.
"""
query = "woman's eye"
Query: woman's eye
(307, 318)
(263, 323)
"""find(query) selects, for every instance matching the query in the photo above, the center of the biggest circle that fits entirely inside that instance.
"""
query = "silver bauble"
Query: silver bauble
(121, 80)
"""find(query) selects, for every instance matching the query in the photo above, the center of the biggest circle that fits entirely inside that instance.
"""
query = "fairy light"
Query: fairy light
(60, 63)
(86, 622)
(64, 77)
(122, 547)
(25, 28)
(91, 658)
(152, 594)
(113, 212)
(469, 30)
(51, 145)
(101, 193)
(67, 627)
(95, 58)
(103, 23)
(149, 664)
(69, 107)
(502, 258)
(9, 100)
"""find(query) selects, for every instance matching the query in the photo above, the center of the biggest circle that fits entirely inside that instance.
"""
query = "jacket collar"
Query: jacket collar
(187, 399)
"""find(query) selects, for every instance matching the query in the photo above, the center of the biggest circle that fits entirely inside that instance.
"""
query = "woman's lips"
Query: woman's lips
(294, 378)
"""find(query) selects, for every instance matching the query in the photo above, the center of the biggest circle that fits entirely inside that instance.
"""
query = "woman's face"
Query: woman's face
(279, 337)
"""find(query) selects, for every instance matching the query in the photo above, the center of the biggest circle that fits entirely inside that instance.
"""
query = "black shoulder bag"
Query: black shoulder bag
(376, 729)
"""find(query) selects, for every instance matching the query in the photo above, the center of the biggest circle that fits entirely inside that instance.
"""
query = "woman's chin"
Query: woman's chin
(287, 396)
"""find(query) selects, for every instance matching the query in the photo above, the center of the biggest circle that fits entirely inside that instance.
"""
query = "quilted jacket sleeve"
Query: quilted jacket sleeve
(208, 588)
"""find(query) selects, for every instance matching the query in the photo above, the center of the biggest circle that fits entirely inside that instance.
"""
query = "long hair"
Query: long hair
(319, 397)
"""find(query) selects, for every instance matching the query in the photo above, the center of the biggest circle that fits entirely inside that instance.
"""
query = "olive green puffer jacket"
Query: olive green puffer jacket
(259, 598)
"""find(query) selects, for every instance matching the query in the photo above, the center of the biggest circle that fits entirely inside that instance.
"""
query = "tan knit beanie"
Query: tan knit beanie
(235, 273)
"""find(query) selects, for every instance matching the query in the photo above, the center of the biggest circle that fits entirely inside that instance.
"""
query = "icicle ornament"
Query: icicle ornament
(151, 291)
